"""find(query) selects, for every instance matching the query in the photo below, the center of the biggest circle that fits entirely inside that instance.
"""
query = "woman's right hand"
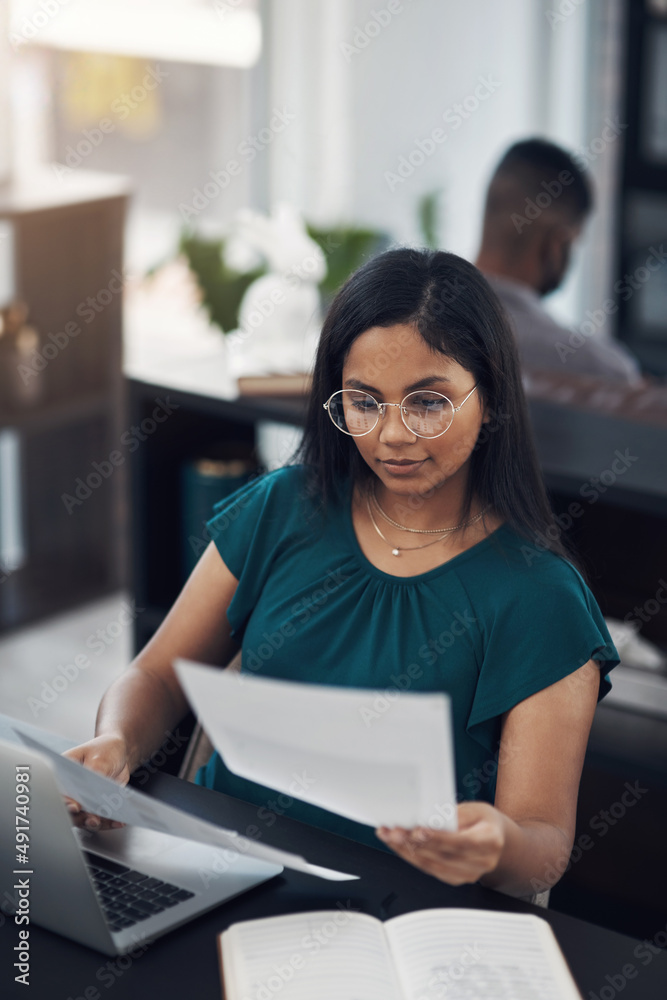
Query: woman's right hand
(108, 755)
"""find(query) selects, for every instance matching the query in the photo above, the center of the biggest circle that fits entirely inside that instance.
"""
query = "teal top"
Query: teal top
(490, 627)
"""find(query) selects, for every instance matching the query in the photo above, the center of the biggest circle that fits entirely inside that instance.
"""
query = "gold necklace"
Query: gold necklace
(395, 551)
(423, 531)
(419, 531)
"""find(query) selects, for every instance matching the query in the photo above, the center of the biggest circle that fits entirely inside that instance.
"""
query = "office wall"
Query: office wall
(363, 84)
(423, 74)
(369, 80)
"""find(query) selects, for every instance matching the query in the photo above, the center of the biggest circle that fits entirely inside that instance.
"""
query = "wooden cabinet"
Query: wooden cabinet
(61, 402)
(198, 426)
(620, 525)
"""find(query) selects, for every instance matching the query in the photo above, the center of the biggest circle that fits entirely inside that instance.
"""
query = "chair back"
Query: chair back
(200, 747)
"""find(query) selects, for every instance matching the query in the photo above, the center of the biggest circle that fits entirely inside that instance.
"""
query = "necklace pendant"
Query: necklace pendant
(395, 552)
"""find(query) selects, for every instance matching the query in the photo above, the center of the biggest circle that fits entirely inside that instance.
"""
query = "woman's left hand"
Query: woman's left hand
(458, 856)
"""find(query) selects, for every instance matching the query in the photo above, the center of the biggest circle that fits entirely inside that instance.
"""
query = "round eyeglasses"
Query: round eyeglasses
(426, 414)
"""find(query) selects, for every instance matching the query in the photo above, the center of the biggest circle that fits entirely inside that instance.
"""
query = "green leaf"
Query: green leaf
(222, 289)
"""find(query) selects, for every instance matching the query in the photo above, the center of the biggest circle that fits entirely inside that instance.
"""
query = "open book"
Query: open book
(428, 955)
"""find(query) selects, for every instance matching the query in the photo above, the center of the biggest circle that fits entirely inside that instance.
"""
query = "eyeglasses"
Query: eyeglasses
(426, 414)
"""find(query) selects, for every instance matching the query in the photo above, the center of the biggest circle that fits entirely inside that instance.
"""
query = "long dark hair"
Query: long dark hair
(457, 313)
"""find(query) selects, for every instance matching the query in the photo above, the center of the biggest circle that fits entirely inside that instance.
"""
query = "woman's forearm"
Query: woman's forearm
(145, 704)
(534, 855)
(143, 710)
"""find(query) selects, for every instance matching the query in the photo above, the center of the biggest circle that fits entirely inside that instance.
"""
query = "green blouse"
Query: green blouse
(490, 627)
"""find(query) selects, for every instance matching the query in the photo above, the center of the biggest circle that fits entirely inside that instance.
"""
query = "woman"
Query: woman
(410, 548)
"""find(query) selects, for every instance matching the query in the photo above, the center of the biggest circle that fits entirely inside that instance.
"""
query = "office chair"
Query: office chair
(199, 747)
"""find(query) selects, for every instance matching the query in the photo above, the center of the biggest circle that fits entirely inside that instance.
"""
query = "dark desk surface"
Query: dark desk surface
(184, 963)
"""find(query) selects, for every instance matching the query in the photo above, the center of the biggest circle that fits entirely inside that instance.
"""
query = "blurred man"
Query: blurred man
(536, 205)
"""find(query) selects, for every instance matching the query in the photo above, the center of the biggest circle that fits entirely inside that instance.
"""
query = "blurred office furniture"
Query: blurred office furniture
(640, 288)
(205, 481)
(198, 421)
(602, 449)
(617, 505)
(61, 494)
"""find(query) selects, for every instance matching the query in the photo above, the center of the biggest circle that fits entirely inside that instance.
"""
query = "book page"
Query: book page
(457, 954)
(328, 955)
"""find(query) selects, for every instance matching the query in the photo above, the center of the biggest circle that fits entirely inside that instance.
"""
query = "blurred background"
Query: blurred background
(159, 159)
(360, 87)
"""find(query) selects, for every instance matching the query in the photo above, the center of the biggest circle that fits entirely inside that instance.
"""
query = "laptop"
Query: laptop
(109, 890)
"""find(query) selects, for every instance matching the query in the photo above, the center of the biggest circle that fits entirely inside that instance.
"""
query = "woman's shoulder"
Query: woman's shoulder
(528, 562)
(518, 584)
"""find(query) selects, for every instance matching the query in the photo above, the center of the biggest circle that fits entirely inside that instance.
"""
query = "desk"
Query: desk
(184, 963)
(579, 422)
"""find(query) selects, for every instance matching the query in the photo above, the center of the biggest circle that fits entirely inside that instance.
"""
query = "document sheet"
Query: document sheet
(104, 797)
(381, 758)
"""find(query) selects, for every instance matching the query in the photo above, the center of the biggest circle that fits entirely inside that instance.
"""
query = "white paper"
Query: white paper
(104, 797)
(381, 758)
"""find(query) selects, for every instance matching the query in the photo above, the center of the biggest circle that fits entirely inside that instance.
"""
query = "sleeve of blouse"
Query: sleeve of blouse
(544, 631)
(247, 530)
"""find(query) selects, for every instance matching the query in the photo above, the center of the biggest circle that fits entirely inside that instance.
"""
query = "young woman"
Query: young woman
(413, 547)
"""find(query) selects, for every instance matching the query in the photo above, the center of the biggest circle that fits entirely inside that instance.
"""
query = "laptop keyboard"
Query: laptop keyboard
(128, 896)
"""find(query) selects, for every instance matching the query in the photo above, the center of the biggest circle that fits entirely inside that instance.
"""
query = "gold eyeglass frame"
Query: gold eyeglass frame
(382, 408)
